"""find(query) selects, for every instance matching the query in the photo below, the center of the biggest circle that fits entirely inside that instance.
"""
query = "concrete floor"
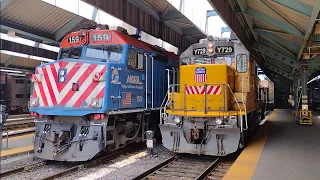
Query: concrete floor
(17, 142)
(291, 152)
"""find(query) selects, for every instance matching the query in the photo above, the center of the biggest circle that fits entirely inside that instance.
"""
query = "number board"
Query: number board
(224, 49)
(73, 39)
(199, 51)
(100, 37)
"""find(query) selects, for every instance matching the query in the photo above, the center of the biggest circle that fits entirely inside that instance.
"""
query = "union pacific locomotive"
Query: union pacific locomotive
(214, 107)
(103, 92)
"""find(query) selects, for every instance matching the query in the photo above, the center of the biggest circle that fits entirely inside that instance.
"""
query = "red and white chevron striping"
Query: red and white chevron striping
(52, 93)
(201, 89)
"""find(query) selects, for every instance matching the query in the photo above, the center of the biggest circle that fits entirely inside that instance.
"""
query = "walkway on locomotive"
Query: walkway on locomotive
(104, 73)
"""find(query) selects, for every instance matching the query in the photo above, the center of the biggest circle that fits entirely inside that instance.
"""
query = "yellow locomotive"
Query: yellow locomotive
(213, 106)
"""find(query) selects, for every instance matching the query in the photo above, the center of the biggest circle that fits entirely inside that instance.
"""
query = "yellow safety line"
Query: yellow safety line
(243, 168)
(17, 137)
(15, 151)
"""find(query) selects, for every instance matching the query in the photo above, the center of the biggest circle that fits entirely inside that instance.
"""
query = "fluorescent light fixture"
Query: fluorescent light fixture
(26, 56)
(10, 71)
(14, 74)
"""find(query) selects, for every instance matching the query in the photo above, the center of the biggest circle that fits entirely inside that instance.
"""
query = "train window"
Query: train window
(242, 63)
(132, 59)
(19, 81)
(19, 95)
(95, 52)
(140, 61)
(186, 61)
(73, 52)
(107, 53)
(202, 61)
(223, 60)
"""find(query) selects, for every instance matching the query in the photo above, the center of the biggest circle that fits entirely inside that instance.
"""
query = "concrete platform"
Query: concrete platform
(280, 150)
(17, 145)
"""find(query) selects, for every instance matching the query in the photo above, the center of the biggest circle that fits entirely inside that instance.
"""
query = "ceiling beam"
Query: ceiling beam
(28, 33)
(311, 23)
(68, 27)
(278, 71)
(279, 15)
(267, 19)
(268, 42)
(280, 65)
(171, 15)
(9, 61)
(276, 55)
(145, 7)
(243, 5)
(192, 31)
(296, 6)
(279, 40)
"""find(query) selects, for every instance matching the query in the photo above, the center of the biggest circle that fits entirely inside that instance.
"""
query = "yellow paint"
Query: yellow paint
(305, 117)
(16, 151)
(245, 165)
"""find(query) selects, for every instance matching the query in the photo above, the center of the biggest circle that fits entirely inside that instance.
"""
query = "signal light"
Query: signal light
(99, 116)
(36, 78)
(99, 77)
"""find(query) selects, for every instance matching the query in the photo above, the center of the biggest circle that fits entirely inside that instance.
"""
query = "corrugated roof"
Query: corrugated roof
(36, 15)
(296, 18)
(20, 61)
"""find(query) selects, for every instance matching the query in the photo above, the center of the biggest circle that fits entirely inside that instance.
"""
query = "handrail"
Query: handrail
(241, 124)
(244, 104)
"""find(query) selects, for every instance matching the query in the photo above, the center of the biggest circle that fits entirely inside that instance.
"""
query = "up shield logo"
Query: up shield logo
(200, 75)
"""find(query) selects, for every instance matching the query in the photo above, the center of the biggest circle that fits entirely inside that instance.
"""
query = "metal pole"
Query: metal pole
(3, 118)
(7, 139)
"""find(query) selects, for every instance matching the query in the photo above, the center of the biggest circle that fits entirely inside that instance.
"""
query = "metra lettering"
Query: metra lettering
(133, 79)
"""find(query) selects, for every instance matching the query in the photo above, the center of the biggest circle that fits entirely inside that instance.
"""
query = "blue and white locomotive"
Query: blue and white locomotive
(102, 93)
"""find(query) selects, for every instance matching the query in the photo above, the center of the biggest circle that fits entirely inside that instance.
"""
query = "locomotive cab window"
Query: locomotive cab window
(73, 52)
(107, 53)
(132, 59)
(140, 61)
(186, 61)
(135, 60)
(242, 63)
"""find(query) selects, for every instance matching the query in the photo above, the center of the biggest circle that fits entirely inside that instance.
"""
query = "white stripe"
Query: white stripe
(219, 91)
(53, 82)
(45, 89)
(83, 87)
(36, 88)
(194, 89)
(74, 79)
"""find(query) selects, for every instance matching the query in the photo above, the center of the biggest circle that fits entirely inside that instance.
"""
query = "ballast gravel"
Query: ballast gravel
(124, 167)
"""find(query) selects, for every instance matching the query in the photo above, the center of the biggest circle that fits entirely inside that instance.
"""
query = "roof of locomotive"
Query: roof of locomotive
(114, 37)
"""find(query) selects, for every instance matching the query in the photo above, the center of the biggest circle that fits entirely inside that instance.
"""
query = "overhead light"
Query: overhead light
(10, 71)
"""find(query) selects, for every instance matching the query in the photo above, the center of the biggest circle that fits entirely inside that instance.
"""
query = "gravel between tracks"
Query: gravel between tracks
(123, 167)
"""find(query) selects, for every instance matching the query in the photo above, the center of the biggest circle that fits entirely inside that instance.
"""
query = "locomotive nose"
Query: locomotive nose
(69, 84)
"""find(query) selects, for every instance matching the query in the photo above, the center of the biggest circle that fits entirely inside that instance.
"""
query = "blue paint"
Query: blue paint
(120, 79)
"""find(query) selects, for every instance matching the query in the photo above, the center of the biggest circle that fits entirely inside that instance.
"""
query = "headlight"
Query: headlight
(210, 45)
(94, 102)
(61, 79)
(61, 72)
(219, 121)
(177, 119)
(210, 50)
(34, 101)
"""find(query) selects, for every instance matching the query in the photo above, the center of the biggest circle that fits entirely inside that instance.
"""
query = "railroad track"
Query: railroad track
(74, 168)
(178, 167)
(20, 123)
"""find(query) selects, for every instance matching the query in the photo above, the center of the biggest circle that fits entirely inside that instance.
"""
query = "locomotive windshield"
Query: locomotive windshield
(207, 60)
(73, 52)
(105, 53)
